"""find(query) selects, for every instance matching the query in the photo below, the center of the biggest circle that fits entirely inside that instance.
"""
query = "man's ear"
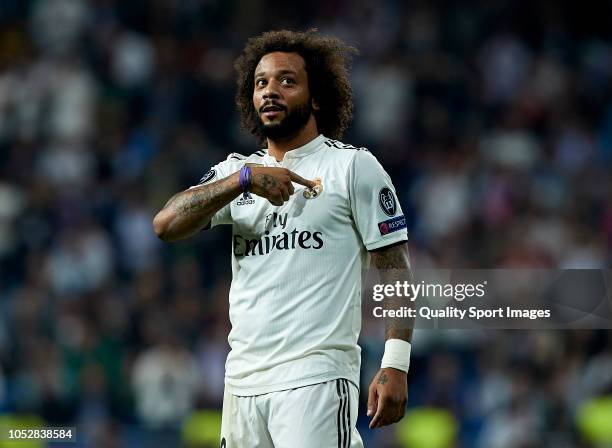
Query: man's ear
(315, 105)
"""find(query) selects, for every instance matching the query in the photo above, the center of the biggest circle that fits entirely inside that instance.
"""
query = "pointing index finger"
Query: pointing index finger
(300, 180)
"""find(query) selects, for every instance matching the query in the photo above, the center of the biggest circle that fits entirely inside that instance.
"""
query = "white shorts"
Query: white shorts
(323, 415)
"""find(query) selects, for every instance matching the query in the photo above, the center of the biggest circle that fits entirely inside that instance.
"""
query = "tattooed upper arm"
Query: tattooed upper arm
(393, 263)
(391, 257)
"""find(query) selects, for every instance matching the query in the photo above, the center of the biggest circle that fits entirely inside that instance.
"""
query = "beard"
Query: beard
(294, 120)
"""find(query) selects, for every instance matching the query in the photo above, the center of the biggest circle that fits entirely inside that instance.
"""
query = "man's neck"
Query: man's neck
(278, 148)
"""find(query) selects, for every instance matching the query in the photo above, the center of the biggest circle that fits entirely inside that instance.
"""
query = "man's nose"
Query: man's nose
(270, 92)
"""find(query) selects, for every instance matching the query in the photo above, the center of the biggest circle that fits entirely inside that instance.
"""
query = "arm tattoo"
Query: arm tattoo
(198, 200)
(383, 378)
(266, 181)
(394, 265)
(191, 210)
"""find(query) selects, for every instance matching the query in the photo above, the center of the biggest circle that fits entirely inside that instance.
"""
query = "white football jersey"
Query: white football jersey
(295, 298)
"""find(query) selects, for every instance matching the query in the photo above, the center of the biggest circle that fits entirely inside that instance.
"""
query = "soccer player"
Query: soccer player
(308, 213)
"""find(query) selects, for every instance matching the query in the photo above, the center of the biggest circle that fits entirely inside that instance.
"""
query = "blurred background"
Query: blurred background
(493, 118)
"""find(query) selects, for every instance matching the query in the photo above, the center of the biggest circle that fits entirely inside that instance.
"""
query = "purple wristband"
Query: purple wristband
(245, 178)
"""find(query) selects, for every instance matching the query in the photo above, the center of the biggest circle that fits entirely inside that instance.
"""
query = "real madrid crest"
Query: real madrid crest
(314, 192)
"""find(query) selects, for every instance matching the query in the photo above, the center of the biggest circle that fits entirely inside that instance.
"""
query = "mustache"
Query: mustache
(272, 103)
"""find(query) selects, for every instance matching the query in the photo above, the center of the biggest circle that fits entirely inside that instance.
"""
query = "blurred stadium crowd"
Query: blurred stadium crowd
(494, 119)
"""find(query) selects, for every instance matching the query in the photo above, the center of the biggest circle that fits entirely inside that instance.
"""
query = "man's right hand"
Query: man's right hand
(189, 211)
(275, 184)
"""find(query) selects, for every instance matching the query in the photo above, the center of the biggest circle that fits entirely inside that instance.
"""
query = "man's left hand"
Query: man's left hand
(387, 397)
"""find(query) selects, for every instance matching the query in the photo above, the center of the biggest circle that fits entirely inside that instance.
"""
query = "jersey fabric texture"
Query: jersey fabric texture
(295, 298)
(322, 415)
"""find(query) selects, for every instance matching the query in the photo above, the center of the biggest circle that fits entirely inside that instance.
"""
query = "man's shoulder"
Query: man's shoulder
(346, 148)
(343, 153)
(240, 159)
(347, 154)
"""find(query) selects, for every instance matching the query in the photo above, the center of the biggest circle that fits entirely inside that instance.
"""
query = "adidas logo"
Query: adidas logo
(246, 199)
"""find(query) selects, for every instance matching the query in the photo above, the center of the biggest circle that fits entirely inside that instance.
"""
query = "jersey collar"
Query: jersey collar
(309, 148)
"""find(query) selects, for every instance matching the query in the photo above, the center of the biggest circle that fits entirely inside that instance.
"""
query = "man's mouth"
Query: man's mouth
(271, 110)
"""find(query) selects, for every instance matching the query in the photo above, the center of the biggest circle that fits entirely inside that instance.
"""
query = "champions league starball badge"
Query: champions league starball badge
(311, 193)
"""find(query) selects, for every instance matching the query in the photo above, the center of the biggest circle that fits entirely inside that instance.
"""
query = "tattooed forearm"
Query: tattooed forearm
(187, 212)
(393, 264)
(199, 200)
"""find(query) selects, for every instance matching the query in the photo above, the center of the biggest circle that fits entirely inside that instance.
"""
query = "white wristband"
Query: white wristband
(397, 355)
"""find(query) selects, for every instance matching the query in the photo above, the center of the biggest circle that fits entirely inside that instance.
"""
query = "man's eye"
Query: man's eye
(287, 81)
(260, 82)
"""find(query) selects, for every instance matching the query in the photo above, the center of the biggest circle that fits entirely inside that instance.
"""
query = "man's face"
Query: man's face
(281, 96)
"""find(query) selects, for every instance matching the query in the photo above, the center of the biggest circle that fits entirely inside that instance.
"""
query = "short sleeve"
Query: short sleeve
(218, 172)
(374, 204)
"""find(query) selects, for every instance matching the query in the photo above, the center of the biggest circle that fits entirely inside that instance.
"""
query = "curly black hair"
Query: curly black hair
(327, 61)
